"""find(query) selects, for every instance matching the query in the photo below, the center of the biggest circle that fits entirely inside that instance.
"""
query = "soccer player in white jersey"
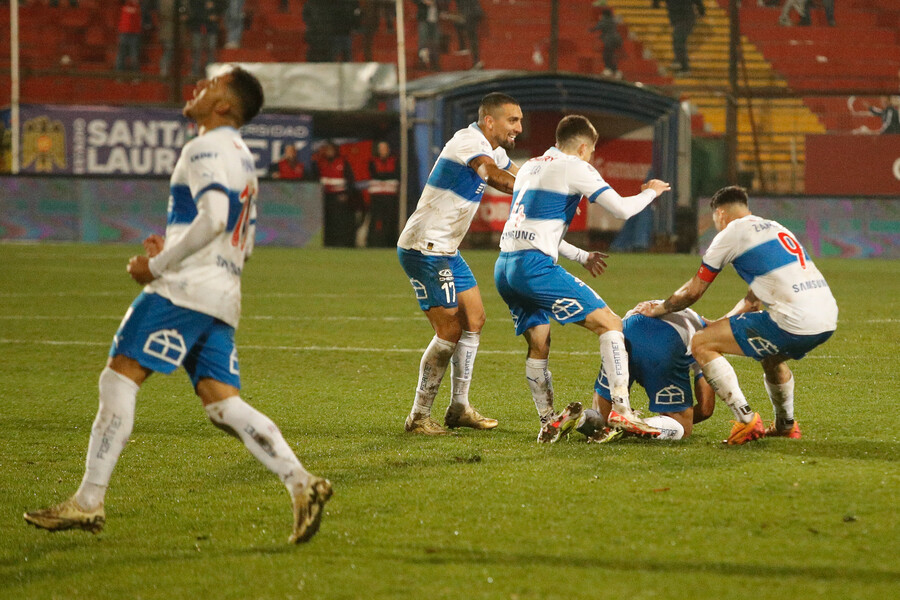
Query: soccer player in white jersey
(659, 359)
(188, 311)
(428, 249)
(788, 311)
(547, 192)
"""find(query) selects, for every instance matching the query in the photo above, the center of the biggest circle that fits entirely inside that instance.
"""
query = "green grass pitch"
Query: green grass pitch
(329, 348)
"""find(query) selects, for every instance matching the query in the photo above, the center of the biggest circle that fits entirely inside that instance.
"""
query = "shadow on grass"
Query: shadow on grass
(453, 556)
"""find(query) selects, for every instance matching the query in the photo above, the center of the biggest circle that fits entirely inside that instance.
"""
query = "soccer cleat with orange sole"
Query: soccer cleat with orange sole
(630, 423)
(792, 433)
(741, 433)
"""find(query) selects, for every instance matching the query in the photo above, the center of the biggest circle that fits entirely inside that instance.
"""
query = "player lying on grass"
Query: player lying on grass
(546, 195)
(444, 285)
(188, 312)
(788, 311)
(659, 360)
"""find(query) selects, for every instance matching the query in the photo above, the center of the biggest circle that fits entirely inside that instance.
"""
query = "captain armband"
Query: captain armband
(707, 274)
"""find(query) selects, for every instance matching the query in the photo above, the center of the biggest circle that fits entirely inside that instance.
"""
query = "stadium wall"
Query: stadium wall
(841, 227)
(122, 210)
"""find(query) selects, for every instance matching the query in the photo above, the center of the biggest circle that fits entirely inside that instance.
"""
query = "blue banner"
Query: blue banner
(113, 141)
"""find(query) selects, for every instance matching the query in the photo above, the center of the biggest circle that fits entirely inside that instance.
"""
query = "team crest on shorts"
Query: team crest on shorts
(419, 289)
(166, 345)
(445, 275)
(762, 346)
(670, 395)
(564, 308)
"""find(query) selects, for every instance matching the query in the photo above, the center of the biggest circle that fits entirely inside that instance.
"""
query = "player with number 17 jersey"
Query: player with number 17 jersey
(779, 272)
(209, 280)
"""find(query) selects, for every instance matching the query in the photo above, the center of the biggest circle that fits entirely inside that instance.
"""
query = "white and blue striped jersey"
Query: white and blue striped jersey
(451, 195)
(546, 195)
(209, 281)
(779, 272)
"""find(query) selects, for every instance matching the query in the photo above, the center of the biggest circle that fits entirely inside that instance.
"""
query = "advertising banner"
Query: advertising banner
(827, 227)
(858, 165)
(106, 210)
(136, 142)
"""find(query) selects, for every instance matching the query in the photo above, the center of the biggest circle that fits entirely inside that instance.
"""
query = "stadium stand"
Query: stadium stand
(67, 55)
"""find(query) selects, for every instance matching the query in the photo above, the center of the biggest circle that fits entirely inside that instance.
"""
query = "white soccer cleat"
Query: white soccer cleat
(629, 422)
(565, 422)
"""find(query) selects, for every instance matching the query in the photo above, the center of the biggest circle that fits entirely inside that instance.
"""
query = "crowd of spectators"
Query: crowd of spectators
(330, 28)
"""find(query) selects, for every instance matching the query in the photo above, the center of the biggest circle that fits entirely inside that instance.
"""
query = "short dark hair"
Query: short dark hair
(492, 102)
(249, 92)
(733, 194)
(572, 127)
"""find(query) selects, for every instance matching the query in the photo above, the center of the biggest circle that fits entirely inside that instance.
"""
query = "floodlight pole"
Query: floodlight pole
(14, 84)
(404, 115)
(731, 98)
(553, 52)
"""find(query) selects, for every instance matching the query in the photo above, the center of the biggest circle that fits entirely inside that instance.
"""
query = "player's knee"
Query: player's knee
(449, 331)
(700, 346)
(776, 369)
(475, 323)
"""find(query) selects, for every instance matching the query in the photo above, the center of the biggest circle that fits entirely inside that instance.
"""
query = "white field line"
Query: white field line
(107, 294)
(300, 318)
(246, 318)
(519, 352)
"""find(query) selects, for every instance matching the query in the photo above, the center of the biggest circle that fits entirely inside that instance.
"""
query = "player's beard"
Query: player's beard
(506, 143)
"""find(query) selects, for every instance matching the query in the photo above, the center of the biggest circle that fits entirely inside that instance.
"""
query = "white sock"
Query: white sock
(614, 359)
(669, 428)
(721, 376)
(109, 434)
(261, 437)
(461, 367)
(541, 383)
(782, 397)
(431, 371)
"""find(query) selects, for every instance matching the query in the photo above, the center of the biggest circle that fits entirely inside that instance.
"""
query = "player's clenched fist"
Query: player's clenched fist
(139, 269)
(153, 245)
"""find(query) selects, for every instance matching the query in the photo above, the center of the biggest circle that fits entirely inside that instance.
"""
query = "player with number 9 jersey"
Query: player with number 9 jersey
(779, 272)
(787, 312)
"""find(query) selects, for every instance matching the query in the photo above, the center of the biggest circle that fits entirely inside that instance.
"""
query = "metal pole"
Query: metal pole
(553, 62)
(731, 106)
(14, 81)
(176, 81)
(404, 116)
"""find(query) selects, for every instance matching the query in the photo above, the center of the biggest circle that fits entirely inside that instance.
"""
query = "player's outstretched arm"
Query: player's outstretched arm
(495, 177)
(683, 297)
(628, 206)
(657, 185)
